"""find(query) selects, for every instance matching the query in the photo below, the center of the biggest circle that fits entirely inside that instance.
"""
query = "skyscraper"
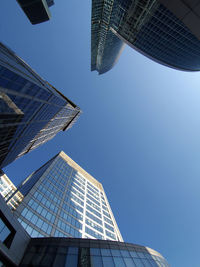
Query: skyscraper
(165, 31)
(37, 11)
(31, 110)
(17, 248)
(7, 188)
(63, 200)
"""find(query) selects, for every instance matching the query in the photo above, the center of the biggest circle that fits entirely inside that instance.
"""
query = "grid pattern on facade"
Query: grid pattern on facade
(75, 253)
(163, 37)
(7, 188)
(105, 46)
(32, 112)
(146, 25)
(59, 201)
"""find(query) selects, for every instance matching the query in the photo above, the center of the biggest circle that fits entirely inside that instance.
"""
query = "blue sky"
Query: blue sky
(139, 133)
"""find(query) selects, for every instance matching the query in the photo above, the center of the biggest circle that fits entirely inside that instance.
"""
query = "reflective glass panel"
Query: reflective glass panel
(108, 262)
(96, 261)
(119, 262)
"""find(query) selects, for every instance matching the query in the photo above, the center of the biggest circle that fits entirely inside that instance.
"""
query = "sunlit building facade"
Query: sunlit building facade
(7, 188)
(165, 31)
(63, 200)
(17, 248)
(31, 110)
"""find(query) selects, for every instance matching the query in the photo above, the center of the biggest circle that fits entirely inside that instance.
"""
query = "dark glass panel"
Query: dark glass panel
(71, 261)
(96, 261)
(108, 262)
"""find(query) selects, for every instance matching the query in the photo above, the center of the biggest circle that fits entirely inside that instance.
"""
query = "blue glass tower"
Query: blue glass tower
(62, 200)
(31, 110)
(165, 31)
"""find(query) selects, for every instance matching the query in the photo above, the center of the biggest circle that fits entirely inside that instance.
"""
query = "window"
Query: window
(7, 232)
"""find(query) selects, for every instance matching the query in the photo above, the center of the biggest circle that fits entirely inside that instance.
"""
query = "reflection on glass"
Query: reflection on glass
(95, 251)
(119, 262)
(71, 261)
(105, 252)
(72, 250)
(115, 252)
(129, 262)
(138, 262)
(125, 253)
(96, 261)
(108, 262)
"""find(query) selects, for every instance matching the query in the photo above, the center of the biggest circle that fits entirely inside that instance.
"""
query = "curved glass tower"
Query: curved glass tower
(75, 252)
(165, 31)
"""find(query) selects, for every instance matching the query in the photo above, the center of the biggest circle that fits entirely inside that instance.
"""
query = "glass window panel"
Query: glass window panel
(119, 262)
(133, 254)
(29, 215)
(116, 252)
(96, 261)
(129, 262)
(47, 259)
(105, 252)
(44, 227)
(29, 230)
(72, 250)
(125, 253)
(108, 262)
(71, 261)
(4, 233)
(95, 251)
(44, 213)
(141, 255)
(34, 233)
(138, 262)
(146, 263)
(59, 260)
(39, 223)
(34, 219)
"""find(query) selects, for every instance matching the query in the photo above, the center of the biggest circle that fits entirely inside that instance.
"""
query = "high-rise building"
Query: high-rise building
(75, 252)
(7, 188)
(17, 248)
(165, 31)
(62, 200)
(31, 110)
(37, 11)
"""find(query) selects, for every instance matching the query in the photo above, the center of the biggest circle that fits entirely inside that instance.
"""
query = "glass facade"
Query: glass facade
(7, 188)
(7, 232)
(32, 111)
(36, 11)
(150, 27)
(89, 253)
(105, 46)
(61, 200)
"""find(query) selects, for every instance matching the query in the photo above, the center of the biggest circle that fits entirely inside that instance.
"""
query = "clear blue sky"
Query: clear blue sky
(139, 133)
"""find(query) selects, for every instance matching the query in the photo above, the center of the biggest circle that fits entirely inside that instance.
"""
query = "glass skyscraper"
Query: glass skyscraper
(7, 188)
(62, 200)
(37, 11)
(165, 31)
(75, 252)
(19, 249)
(31, 110)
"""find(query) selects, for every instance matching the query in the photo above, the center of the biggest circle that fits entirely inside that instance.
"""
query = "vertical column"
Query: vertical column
(84, 209)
